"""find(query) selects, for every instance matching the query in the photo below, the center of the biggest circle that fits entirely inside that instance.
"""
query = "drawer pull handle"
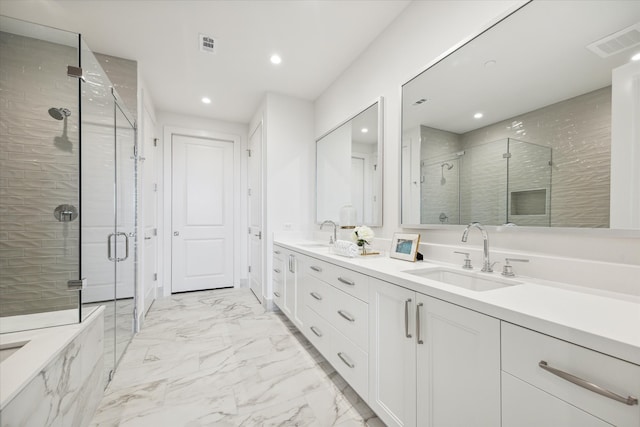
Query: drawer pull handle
(346, 360)
(346, 315)
(589, 386)
(316, 296)
(316, 331)
(276, 252)
(275, 270)
(316, 269)
(406, 318)
(277, 294)
(418, 334)
(346, 281)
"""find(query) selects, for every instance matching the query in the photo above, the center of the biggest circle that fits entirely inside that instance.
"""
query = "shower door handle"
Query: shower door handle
(126, 247)
(109, 257)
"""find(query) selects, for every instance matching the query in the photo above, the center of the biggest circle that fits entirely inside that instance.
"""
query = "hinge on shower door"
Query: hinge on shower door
(155, 142)
(155, 277)
(77, 285)
(73, 71)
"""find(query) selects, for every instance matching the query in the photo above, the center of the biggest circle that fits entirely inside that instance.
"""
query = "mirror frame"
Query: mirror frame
(380, 127)
(584, 231)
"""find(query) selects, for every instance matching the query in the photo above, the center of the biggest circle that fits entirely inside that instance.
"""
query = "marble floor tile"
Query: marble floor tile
(216, 358)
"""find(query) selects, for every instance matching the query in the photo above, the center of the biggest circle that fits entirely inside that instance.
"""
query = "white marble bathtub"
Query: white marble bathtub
(55, 376)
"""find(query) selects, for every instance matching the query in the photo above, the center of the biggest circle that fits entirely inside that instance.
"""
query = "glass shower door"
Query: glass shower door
(125, 205)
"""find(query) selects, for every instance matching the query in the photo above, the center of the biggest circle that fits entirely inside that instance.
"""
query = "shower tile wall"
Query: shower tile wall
(578, 131)
(38, 171)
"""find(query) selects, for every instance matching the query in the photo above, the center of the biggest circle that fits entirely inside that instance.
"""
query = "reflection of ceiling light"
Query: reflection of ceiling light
(477, 115)
(206, 100)
(636, 57)
(364, 130)
(275, 59)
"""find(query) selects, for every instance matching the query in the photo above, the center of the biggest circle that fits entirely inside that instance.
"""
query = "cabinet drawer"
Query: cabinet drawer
(277, 271)
(318, 332)
(350, 316)
(319, 296)
(349, 281)
(524, 405)
(523, 351)
(350, 362)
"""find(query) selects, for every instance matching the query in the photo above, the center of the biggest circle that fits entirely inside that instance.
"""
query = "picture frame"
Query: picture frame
(405, 246)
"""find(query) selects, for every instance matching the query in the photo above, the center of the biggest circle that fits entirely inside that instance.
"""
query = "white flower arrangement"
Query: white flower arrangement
(362, 235)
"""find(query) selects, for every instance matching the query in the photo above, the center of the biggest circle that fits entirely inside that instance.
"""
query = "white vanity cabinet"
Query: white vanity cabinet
(544, 380)
(289, 283)
(337, 319)
(278, 277)
(432, 363)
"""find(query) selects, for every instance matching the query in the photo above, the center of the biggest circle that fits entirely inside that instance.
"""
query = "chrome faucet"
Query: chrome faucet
(486, 265)
(333, 239)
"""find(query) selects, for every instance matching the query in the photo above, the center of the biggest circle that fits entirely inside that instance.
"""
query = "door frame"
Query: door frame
(259, 127)
(167, 176)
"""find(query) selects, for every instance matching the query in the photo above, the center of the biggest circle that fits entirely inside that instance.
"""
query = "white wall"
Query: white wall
(167, 120)
(420, 35)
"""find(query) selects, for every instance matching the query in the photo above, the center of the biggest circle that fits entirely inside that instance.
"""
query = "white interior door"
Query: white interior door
(201, 213)
(254, 172)
(150, 212)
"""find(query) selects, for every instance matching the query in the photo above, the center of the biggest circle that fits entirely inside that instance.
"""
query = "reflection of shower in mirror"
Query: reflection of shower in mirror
(449, 166)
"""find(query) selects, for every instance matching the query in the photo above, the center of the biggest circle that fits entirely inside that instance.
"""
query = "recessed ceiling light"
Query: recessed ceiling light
(477, 115)
(636, 57)
(275, 59)
(364, 130)
(206, 100)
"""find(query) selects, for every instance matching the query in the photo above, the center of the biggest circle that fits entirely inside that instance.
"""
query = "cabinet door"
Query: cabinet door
(289, 284)
(458, 363)
(300, 290)
(392, 353)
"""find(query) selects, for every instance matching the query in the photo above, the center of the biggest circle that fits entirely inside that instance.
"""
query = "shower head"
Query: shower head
(59, 113)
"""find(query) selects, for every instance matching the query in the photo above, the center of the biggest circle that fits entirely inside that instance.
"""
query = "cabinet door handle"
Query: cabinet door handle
(418, 337)
(276, 252)
(316, 296)
(629, 400)
(346, 281)
(276, 271)
(346, 360)
(406, 318)
(316, 269)
(277, 294)
(346, 315)
(316, 331)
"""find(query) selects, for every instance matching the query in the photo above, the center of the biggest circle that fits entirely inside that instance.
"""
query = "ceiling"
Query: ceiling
(317, 40)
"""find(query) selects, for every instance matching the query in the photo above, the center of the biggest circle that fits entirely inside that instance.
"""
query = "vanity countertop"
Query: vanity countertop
(608, 323)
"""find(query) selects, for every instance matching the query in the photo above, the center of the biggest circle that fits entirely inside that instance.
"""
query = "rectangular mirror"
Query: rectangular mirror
(531, 123)
(349, 169)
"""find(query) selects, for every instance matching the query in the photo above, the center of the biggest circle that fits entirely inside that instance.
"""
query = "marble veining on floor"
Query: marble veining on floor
(217, 358)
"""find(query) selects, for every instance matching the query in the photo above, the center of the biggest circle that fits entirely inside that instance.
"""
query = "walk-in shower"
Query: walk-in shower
(67, 190)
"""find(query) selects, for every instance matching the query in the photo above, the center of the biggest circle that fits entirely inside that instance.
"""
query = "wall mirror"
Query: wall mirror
(530, 123)
(349, 168)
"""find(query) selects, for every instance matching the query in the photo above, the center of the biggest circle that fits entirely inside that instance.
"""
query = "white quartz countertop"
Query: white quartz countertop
(605, 322)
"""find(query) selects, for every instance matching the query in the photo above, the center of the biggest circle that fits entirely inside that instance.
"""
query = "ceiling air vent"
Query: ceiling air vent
(208, 44)
(617, 42)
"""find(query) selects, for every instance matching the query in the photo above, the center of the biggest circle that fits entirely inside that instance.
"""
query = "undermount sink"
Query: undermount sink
(473, 281)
